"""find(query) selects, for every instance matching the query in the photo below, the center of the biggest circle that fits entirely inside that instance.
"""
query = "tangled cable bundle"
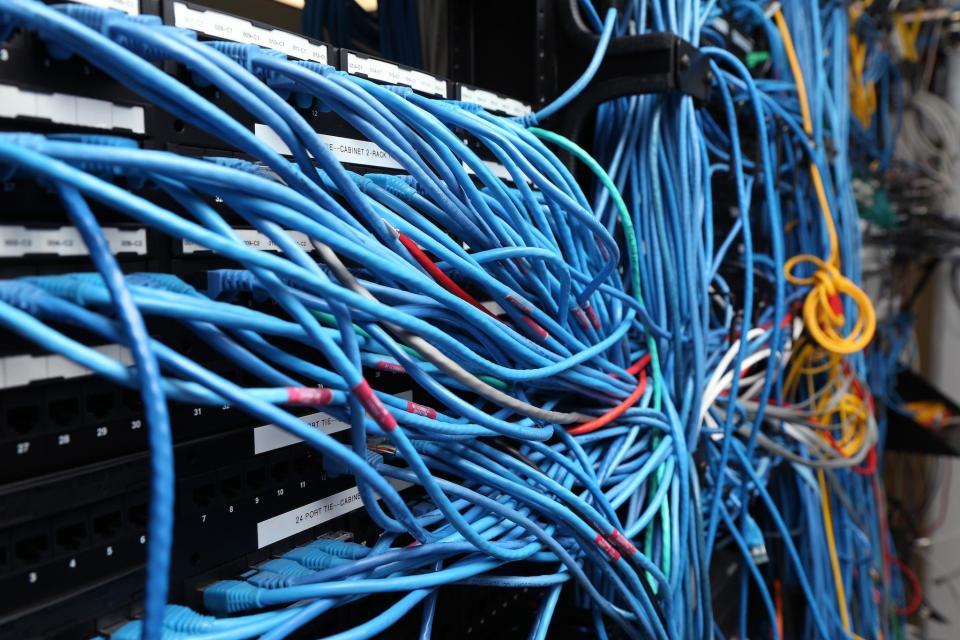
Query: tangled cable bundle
(626, 383)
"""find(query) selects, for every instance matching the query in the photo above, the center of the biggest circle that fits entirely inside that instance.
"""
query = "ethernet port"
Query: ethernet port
(303, 465)
(72, 536)
(131, 401)
(137, 516)
(256, 478)
(23, 419)
(107, 525)
(203, 495)
(63, 411)
(280, 470)
(31, 549)
(100, 405)
(230, 487)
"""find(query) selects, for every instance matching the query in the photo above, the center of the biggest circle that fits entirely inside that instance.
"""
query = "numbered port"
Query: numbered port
(101, 405)
(63, 411)
(256, 478)
(23, 419)
(71, 537)
(230, 487)
(203, 495)
(137, 516)
(31, 549)
(107, 525)
(280, 470)
(131, 402)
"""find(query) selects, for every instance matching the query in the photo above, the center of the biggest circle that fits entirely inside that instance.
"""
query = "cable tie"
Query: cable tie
(836, 304)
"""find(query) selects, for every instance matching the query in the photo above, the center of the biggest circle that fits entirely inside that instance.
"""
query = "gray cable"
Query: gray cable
(440, 360)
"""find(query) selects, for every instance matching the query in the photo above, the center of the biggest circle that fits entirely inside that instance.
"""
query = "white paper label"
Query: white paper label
(493, 102)
(131, 7)
(17, 371)
(17, 241)
(310, 515)
(254, 240)
(64, 108)
(348, 150)
(271, 437)
(227, 27)
(392, 74)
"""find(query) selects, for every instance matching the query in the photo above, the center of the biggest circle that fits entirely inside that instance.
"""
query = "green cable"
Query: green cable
(328, 320)
(633, 253)
(633, 256)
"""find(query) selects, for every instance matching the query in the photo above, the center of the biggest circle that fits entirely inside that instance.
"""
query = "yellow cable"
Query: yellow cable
(832, 547)
(822, 308)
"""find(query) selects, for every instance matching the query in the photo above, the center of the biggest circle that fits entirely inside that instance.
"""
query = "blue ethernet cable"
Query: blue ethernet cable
(160, 518)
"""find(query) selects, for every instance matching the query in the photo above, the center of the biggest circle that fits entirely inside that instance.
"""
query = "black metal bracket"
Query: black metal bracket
(650, 63)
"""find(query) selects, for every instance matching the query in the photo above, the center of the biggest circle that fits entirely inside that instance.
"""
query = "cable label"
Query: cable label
(228, 27)
(314, 396)
(389, 367)
(130, 7)
(607, 548)
(623, 543)
(421, 410)
(376, 409)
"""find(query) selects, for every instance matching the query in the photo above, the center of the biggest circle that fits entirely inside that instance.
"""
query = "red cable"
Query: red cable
(916, 597)
(620, 409)
(437, 274)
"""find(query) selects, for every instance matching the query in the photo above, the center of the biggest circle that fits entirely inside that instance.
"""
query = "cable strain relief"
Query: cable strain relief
(400, 90)
(231, 596)
(163, 282)
(341, 548)
(22, 295)
(184, 619)
(269, 580)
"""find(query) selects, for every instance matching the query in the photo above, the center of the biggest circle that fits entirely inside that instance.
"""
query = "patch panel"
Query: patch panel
(66, 535)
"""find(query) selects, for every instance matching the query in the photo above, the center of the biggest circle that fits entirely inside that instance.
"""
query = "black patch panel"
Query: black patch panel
(63, 537)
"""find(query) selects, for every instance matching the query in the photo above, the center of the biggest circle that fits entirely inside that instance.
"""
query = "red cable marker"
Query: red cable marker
(421, 410)
(315, 396)
(623, 543)
(607, 548)
(374, 407)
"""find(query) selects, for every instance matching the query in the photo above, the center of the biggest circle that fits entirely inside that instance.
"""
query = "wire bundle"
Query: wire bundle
(623, 386)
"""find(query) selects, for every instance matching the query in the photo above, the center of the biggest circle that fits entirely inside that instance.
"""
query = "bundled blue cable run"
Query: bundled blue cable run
(599, 444)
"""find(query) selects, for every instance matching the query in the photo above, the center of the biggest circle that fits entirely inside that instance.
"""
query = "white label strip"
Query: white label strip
(17, 241)
(362, 152)
(63, 108)
(310, 515)
(495, 167)
(254, 240)
(17, 371)
(493, 102)
(131, 7)
(392, 74)
(271, 437)
(227, 27)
